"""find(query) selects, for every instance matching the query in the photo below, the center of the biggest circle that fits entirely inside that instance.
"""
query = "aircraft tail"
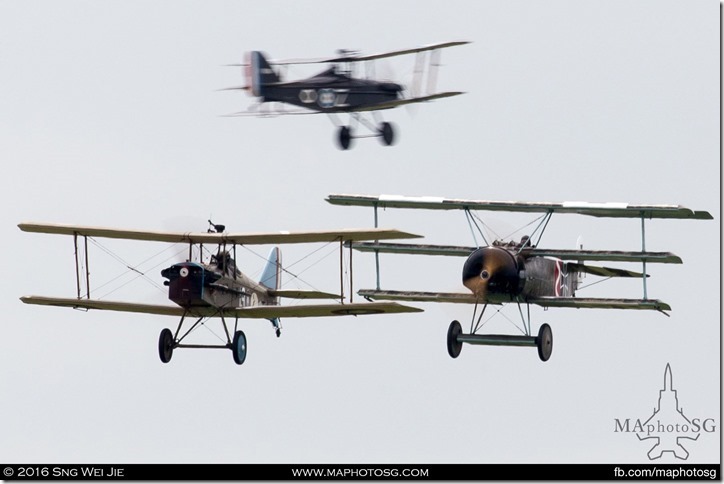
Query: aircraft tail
(271, 277)
(260, 73)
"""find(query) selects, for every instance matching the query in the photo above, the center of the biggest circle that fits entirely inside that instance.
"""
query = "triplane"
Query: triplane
(341, 89)
(216, 288)
(521, 272)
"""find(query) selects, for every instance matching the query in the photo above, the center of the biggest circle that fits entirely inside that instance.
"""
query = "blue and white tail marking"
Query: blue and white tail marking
(271, 277)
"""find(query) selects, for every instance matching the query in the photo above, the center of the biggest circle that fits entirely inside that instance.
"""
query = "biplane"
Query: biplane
(521, 272)
(341, 89)
(216, 288)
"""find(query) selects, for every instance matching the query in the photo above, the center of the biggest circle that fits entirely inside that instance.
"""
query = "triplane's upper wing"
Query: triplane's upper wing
(608, 209)
(284, 237)
(254, 312)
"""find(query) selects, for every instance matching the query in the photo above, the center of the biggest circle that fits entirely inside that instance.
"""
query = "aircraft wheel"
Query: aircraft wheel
(544, 342)
(238, 347)
(165, 345)
(345, 137)
(387, 133)
(454, 347)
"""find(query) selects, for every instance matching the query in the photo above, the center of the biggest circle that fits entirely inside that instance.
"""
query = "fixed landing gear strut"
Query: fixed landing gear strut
(168, 342)
(385, 131)
(456, 338)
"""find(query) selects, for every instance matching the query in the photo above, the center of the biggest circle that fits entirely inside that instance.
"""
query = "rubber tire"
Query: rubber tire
(345, 137)
(238, 347)
(454, 347)
(544, 342)
(387, 133)
(165, 345)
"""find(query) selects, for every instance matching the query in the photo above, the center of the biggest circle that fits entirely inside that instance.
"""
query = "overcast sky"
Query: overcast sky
(111, 115)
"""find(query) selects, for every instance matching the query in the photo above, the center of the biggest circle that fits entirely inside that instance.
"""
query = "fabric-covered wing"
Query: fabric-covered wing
(419, 296)
(563, 254)
(553, 302)
(607, 209)
(299, 294)
(261, 312)
(600, 303)
(220, 238)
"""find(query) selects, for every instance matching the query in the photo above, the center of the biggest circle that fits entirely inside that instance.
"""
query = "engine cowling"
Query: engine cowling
(492, 271)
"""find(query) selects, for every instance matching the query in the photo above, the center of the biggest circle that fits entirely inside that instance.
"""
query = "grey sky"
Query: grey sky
(111, 116)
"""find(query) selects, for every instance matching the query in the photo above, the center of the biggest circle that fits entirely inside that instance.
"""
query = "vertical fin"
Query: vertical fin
(271, 277)
(261, 73)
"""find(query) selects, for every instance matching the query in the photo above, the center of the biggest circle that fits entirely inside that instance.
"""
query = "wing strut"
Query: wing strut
(643, 249)
(77, 265)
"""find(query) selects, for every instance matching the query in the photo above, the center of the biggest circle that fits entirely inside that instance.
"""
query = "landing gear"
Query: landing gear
(387, 133)
(165, 345)
(454, 347)
(345, 137)
(238, 347)
(456, 337)
(544, 342)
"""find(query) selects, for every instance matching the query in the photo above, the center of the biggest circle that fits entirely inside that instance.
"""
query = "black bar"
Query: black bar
(418, 472)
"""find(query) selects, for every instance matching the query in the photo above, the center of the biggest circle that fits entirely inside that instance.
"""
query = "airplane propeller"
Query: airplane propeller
(490, 266)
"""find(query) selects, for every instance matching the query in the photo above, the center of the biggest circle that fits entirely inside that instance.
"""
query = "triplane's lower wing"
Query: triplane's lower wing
(546, 302)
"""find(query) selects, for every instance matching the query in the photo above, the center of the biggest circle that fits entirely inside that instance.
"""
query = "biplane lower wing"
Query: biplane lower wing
(563, 254)
(352, 109)
(255, 312)
(546, 302)
(299, 294)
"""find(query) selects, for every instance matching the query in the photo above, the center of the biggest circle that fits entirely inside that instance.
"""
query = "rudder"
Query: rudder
(260, 73)
(271, 277)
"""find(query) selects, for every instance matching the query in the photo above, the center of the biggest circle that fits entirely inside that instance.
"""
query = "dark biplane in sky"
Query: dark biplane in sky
(215, 288)
(522, 272)
(339, 89)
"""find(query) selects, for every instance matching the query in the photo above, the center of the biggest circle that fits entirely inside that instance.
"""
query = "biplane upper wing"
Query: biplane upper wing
(608, 209)
(563, 254)
(219, 238)
(254, 312)
(352, 57)
(546, 302)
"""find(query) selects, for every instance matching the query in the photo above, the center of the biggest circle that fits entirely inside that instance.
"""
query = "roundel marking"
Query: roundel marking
(326, 98)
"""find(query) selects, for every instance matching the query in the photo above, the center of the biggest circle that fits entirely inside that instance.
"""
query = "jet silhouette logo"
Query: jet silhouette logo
(667, 428)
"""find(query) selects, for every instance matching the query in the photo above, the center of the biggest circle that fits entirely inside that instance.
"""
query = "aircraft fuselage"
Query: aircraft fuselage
(331, 91)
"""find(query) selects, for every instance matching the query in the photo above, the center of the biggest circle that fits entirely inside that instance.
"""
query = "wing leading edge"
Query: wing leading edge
(282, 237)
(546, 302)
(255, 312)
(563, 254)
(607, 209)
